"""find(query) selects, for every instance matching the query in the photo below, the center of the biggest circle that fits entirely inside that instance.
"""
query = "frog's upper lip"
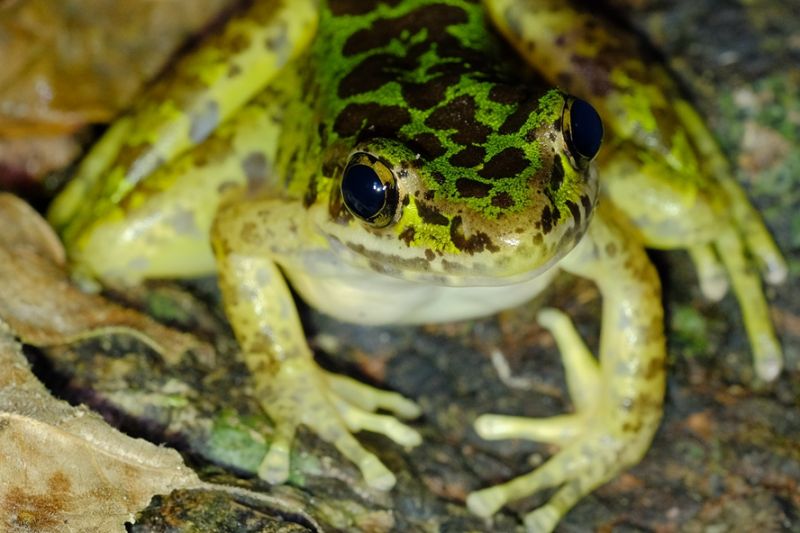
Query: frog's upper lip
(454, 273)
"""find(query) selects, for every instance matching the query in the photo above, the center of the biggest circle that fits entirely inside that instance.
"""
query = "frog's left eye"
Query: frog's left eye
(369, 190)
(583, 130)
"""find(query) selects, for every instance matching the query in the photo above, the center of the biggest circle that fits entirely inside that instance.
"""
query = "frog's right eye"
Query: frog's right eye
(369, 190)
(583, 130)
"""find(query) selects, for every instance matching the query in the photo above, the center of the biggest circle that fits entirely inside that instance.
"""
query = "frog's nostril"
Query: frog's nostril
(583, 130)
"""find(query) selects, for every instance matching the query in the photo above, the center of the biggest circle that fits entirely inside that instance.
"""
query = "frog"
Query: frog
(422, 161)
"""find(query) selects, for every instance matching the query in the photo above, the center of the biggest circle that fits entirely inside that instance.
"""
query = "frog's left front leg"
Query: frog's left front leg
(617, 398)
(292, 389)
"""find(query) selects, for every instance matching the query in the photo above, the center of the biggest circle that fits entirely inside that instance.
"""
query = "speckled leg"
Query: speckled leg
(178, 113)
(617, 400)
(292, 389)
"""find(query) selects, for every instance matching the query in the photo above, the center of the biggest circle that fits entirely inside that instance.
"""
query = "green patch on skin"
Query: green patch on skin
(638, 100)
(551, 106)
(570, 190)
(690, 328)
(433, 236)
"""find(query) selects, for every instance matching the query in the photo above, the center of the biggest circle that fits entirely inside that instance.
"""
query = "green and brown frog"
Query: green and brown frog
(397, 162)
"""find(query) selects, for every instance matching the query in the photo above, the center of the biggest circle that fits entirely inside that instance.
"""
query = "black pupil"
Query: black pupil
(586, 129)
(364, 192)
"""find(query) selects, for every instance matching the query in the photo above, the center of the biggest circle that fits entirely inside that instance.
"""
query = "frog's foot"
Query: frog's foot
(332, 406)
(598, 441)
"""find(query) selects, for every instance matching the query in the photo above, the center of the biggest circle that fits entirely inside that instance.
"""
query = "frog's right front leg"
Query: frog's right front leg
(292, 389)
(202, 91)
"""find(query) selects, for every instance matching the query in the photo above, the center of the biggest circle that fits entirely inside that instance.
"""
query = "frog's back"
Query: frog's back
(388, 64)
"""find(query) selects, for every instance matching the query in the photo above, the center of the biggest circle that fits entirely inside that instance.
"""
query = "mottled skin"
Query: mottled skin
(248, 142)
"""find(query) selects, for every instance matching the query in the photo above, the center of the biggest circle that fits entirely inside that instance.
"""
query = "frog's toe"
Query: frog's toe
(358, 419)
(371, 399)
(554, 430)
(376, 475)
(775, 268)
(587, 462)
(767, 353)
(571, 466)
(332, 407)
(582, 371)
(604, 436)
(710, 272)
(274, 467)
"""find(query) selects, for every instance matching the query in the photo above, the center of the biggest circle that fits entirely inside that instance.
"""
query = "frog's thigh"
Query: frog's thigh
(161, 229)
(611, 430)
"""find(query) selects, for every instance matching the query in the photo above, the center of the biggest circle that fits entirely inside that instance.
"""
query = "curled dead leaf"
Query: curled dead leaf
(42, 305)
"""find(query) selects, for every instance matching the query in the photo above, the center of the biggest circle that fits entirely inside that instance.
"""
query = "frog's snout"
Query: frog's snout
(582, 128)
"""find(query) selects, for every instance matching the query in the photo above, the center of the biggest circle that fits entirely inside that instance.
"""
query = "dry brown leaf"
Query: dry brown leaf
(42, 305)
(62, 468)
(66, 63)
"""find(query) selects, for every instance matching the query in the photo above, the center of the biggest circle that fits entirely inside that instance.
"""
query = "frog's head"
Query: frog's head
(469, 194)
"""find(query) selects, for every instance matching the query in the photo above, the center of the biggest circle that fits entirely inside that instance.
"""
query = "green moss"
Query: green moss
(165, 308)
(690, 328)
(236, 441)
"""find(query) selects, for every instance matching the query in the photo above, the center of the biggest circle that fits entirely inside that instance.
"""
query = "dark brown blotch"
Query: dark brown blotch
(575, 211)
(469, 188)
(515, 121)
(430, 215)
(435, 18)
(428, 94)
(407, 235)
(355, 7)
(586, 202)
(369, 75)
(382, 121)
(547, 219)
(427, 145)
(503, 200)
(475, 243)
(507, 163)
(506, 94)
(459, 115)
(556, 174)
(469, 157)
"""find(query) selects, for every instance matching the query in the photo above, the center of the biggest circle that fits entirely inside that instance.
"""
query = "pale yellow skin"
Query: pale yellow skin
(157, 222)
